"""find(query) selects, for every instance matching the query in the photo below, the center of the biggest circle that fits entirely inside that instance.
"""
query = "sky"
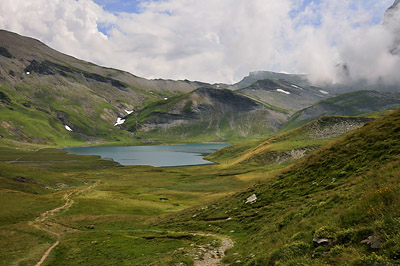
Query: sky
(217, 40)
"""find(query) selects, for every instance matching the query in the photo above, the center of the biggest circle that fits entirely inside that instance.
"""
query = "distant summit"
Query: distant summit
(395, 5)
(260, 75)
(391, 21)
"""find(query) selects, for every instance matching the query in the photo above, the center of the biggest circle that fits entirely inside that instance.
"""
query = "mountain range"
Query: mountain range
(51, 98)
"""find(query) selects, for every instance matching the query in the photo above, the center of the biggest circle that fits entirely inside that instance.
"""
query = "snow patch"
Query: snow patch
(251, 199)
(165, 98)
(285, 92)
(120, 121)
(324, 92)
(68, 128)
(28, 73)
(297, 87)
(128, 112)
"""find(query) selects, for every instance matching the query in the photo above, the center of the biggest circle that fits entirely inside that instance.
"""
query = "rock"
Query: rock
(62, 185)
(321, 241)
(251, 199)
(373, 241)
(22, 179)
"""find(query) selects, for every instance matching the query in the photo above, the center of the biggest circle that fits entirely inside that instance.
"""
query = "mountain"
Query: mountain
(393, 7)
(206, 114)
(260, 75)
(348, 104)
(49, 97)
(391, 23)
(284, 94)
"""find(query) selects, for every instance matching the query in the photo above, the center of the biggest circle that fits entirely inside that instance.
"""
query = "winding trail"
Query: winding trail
(40, 222)
(214, 256)
(206, 255)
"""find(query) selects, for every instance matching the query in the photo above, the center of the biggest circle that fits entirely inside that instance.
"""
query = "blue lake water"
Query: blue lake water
(158, 155)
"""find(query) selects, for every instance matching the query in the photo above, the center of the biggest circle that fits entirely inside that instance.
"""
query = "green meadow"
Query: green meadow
(343, 188)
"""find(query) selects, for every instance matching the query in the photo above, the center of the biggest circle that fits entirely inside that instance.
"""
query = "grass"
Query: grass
(205, 125)
(349, 104)
(39, 124)
(346, 191)
(287, 147)
(118, 208)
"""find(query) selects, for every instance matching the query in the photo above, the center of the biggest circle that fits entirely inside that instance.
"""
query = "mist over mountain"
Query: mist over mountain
(369, 56)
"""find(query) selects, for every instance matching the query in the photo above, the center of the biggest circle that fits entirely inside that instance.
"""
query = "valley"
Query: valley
(311, 177)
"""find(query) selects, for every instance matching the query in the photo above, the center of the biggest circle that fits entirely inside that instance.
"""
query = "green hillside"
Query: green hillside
(348, 104)
(206, 114)
(284, 148)
(342, 194)
(42, 91)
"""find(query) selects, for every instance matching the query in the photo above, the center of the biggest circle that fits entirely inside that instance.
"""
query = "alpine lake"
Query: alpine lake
(157, 155)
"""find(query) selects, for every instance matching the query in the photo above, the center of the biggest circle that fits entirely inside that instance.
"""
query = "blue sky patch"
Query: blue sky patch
(104, 28)
(118, 6)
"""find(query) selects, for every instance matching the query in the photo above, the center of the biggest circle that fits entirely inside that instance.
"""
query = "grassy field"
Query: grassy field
(106, 214)
(109, 224)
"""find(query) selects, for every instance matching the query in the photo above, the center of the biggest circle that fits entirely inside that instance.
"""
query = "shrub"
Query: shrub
(325, 232)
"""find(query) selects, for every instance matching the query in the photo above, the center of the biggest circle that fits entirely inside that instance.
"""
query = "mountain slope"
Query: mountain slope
(290, 146)
(348, 104)
(339, 206)
(205, 114)
(43, 91)
(283, 94)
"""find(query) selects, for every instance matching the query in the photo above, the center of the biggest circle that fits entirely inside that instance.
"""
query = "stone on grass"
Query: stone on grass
(251, 199)
(320, 241)
(373, 241)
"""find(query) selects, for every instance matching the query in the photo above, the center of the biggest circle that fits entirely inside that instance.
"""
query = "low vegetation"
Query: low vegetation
(345, 194)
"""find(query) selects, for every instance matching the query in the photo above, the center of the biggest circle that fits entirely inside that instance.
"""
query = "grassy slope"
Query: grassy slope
(345, 192)
(348, 104)
(215, 125)
(37, 125)
(287, 147)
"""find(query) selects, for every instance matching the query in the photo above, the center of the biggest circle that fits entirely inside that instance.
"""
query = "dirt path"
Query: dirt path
(47, 253)
(207, 255)
(214, 256)
(40, 222)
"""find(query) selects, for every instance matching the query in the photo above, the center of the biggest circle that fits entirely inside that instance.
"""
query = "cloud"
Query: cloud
(215, 41)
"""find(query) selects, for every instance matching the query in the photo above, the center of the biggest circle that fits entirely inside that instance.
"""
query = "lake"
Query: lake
(157, 155)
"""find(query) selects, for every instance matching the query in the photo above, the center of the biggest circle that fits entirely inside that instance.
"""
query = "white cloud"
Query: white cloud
(215, 41)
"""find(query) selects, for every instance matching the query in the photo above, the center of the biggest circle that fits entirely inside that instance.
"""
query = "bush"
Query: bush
(325, 232)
